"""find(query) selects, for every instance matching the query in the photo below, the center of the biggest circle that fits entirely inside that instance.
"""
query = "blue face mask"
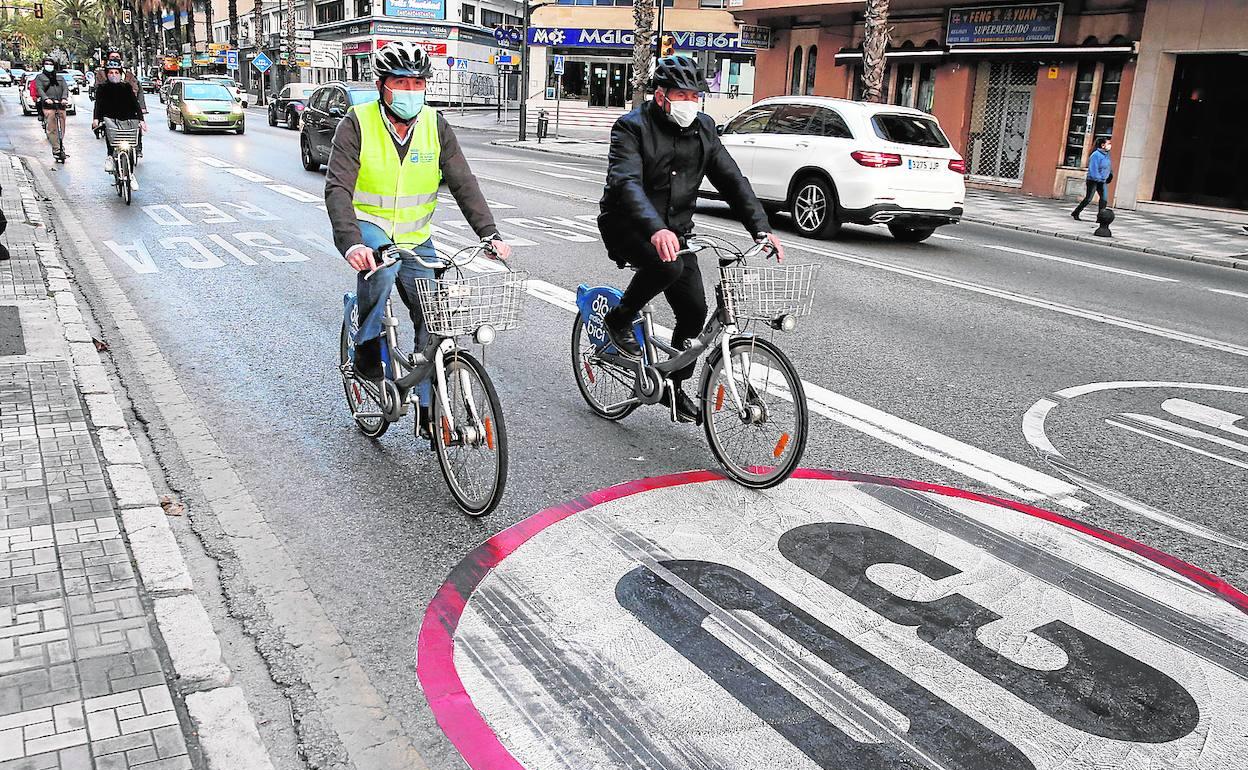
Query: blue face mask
(406, 104)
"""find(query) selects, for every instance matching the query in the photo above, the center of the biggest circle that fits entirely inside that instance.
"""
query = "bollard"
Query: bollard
(1104, 218)
(543, 125)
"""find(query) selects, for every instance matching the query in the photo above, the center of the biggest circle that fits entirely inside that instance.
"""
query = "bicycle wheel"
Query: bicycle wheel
(762, 448)
(601, 384)
(359, 398)
(123, 176)
(474, 455)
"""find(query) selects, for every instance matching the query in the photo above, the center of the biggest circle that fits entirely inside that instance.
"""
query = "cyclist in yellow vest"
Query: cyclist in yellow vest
(386, 163)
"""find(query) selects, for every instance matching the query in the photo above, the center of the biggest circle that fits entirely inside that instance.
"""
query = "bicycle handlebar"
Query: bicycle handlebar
(722, 247)
(438, 263)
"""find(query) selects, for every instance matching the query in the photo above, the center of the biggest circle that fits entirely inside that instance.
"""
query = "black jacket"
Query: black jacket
(117, 101)
(645, 193)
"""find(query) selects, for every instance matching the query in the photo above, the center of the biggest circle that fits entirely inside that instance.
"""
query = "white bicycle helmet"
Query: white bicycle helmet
(400, 58)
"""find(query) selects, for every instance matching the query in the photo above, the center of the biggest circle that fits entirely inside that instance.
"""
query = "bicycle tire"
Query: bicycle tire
(582, 370)
(354, 393)
(123, 177)
(494, 442)
(791, 445)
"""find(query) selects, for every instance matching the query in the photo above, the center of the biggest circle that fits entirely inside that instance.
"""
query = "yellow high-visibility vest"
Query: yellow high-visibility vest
(398, 196)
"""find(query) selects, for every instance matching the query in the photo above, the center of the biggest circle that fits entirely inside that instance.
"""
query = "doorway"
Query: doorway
(609, 84)
(1203, 159)
(1001, 120)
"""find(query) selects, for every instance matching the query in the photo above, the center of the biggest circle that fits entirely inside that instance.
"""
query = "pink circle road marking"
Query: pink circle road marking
(435, 665)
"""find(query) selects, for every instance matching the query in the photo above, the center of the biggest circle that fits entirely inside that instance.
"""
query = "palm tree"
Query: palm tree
(643, 30)
(233, 23)
(874, 43)
(208, 22)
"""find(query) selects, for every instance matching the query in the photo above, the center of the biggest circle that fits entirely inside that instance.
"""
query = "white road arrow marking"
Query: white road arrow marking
(1180, 444)
(1183, 430)
(1205, 415)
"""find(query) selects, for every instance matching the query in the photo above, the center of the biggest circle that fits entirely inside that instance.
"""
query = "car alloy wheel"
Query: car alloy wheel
(810, 209)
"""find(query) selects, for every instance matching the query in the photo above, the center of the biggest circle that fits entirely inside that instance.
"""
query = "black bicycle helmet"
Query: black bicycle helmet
(679, 72)
(114, 64)
(403, 59)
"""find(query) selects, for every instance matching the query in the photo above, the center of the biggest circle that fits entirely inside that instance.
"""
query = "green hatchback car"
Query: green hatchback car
(200, 106)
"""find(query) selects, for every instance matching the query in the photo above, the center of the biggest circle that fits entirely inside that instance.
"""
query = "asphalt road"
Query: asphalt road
(926, 358)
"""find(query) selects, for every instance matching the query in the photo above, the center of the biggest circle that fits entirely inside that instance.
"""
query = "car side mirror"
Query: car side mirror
(720, 130)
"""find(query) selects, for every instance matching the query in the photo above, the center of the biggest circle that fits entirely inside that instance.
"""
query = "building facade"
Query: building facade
(594, 40)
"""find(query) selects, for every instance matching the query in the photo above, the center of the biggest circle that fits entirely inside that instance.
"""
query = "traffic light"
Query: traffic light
(667, 45)
(38, 10)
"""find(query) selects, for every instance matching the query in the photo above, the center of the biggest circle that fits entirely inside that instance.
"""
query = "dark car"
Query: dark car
(328, 105)
(148, 85)
(287, 105)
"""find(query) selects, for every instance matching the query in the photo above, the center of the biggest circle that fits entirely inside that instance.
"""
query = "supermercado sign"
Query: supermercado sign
(576, 37)
(838, 621)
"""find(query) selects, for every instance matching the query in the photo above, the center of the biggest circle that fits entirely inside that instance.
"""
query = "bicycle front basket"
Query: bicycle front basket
(455, 305)
(766, 292)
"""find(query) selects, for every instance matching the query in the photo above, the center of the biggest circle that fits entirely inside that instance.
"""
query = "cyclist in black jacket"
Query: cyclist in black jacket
(660, 152)
(117, 106)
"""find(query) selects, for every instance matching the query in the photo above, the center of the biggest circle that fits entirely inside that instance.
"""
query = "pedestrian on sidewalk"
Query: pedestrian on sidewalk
(1100, 174)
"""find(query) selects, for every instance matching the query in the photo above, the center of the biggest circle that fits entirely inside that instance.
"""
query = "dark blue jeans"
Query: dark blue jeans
(372, 296)
(1094, 188)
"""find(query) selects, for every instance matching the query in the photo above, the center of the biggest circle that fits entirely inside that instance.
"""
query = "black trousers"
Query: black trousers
(1094, 188)
(681, 283)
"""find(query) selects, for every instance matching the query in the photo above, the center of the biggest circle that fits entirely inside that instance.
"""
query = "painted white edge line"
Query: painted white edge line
(1079, 263)
(1229, 293)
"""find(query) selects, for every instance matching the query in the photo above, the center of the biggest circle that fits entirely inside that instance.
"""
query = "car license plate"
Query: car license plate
(923, 164)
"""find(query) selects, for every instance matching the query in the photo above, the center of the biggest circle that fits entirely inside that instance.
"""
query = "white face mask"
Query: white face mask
(682, 113)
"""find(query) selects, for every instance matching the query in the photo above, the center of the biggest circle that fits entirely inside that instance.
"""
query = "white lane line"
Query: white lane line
(1230, 293)
(294, 193)
(1022, 299)
(1183, 430)
(1173, 442)
(1078, 263)
(944, 237)
(214, 162)
(559, 175)
(1008, 476)
(247, 174)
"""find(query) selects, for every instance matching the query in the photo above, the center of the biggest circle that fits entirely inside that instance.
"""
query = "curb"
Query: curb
(228, 737)
(513, 144)
(1231, 262)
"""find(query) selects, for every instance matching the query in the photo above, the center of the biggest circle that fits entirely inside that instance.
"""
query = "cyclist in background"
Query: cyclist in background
(53, 99)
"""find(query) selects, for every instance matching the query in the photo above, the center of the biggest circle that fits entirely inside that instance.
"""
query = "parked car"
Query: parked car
(833, 161)
(5, 78)
(147, 85)
(197, 105)
(17, 73)
(328, 105)
(229, 83)
(287, 105)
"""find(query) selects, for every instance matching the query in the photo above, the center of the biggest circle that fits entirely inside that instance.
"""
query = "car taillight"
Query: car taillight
(958, 165)
(872, 159)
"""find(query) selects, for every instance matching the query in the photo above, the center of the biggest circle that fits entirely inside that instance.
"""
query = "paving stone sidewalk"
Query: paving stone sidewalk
(87, 559)
(1170, 235)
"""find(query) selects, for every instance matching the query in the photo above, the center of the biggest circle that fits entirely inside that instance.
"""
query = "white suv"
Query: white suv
(831, 161)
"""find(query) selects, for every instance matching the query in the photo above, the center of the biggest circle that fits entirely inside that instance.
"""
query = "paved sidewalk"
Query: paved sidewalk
(102, 665)
(1201, 240)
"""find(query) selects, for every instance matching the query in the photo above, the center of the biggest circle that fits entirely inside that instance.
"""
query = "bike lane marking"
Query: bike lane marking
(837, 620)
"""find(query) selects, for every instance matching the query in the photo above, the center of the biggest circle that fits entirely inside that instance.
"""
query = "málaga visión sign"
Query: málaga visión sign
(1004, 24)
(576, 37)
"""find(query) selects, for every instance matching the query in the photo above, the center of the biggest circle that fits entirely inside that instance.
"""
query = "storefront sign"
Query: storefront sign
(355, 47)
(755, 37)
(996, 24)
(412, 30)
(416, 9)
(360, 47)
(575, 37)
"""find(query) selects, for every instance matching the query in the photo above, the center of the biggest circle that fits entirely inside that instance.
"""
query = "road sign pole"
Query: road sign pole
(524, 73)
(558, 101)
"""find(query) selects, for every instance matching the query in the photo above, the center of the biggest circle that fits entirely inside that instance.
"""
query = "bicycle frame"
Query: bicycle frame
(720, 330)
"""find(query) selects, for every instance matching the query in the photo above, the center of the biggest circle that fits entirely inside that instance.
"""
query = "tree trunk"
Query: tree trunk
(643, 54)
(874, 43)
(233, 41)
(190, 24)
(177, 26)
(257, 37)
(208, 24)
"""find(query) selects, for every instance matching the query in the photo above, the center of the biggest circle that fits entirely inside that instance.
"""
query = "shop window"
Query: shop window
(468, 14)
(363, 8)
(812, 56)
(330, 12)
(903, 92)
(926, 95)
(1093, 107)
(796, 83)
(491, 18)
(713, 3)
